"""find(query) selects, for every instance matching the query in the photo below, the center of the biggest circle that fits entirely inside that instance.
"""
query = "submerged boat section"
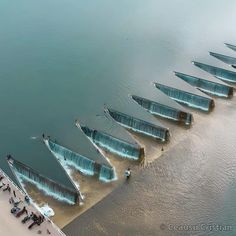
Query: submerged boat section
(111, 137)
(226, 59)
(220, 73)
(190, 99)
(47, 185)
(139, 125)
(214, 88)
(164, 110)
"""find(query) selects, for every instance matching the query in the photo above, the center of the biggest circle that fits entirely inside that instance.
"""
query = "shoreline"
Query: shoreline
(179, 181)
(7, 218)
(94, 190)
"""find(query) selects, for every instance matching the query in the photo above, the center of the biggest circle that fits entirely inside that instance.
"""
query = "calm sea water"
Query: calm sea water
(60, 60)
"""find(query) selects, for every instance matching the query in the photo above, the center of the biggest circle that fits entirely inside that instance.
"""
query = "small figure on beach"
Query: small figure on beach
(11, 200)
(27, 199)
(1, 177)
(162, 149)
(127, 173)
(14, 193)
(21, 212)
(17, 202)
(26, 218)
(8, 188)
(9, 157)
(3, 184)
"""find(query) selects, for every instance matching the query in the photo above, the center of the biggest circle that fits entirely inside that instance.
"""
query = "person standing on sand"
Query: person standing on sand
(7, 188)
(127, 173)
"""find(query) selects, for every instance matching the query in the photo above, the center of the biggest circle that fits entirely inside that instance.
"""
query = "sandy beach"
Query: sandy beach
(10, 225)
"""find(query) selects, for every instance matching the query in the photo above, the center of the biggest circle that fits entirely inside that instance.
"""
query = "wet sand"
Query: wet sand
(94, 190)
(187, 185)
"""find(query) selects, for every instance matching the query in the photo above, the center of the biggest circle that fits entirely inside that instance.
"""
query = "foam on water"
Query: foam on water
(47, 210)
(68, 162)
(33, 137)
(104, 172)
(112, 143)
(69, 171)
(121, 154)
(44, 189)
(213, 93)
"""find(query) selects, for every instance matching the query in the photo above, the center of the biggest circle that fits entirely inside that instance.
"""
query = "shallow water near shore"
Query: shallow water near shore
(60, 61)
(92, 189)
(186, 191)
